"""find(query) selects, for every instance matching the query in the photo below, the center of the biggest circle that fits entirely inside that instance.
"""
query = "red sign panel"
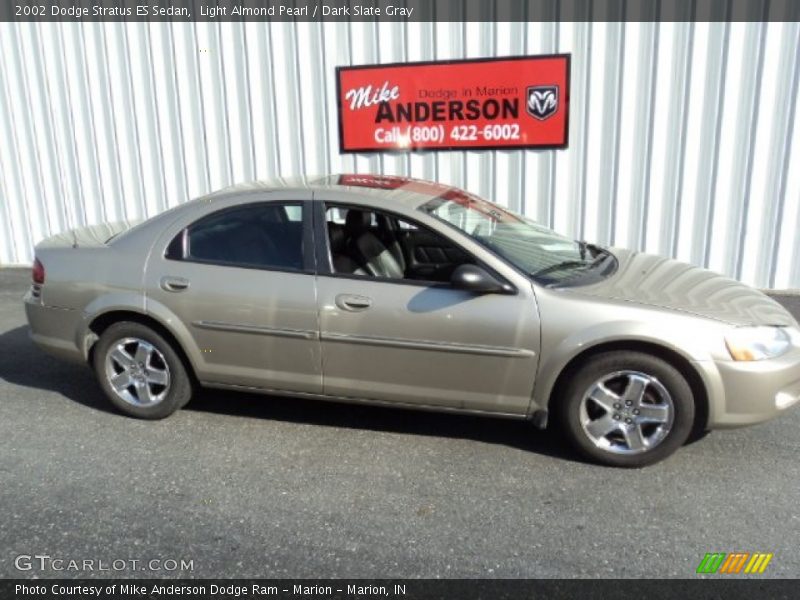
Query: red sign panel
(515, 102)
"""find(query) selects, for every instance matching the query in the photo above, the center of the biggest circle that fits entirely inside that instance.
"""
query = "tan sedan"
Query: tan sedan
(407, 293)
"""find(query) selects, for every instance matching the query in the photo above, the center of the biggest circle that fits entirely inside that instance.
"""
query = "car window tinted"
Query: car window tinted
(268, 235)
(376, 244)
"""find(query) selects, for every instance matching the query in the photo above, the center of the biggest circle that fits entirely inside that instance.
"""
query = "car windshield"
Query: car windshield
(546, 256)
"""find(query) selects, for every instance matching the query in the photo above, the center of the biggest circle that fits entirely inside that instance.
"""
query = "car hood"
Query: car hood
(671, 284)
(87, 237)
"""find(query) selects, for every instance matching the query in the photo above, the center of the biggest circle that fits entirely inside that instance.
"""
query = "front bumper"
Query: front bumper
(53, 329)
(744, 393)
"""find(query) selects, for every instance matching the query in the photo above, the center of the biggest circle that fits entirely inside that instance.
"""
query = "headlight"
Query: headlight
(757, 343)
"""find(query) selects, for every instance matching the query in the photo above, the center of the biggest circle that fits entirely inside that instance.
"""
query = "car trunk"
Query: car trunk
(90, 236)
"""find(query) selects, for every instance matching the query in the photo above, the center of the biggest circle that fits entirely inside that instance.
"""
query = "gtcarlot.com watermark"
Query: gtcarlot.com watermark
(46, 562)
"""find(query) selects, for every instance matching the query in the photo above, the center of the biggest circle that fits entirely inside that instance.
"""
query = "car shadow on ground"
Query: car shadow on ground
(507, 432)
(25, 365)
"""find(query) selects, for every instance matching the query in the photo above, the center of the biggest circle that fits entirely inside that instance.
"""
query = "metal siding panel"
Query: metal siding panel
(337, 53)
(47, 163)
(149, 142)
(82, 125)
(392, 49)
(168, 108)
(114, 106)
(669, 135)
(539, 191)
(234, 59)
(364, 50)
(264, 118)
(7, 241)
(70, 196)
(16, 227)
(790, 63)
(562, 202)
(449, 44)
(420, 45)
(509, 40)
(191, 108)
(683, 136)
(311, 69)
(31, 219)
(709, 52)
(479, 165)
(7, 245)
(787, 272)
(639, 77)
(215, 111)
(704, 202)
(736, 144)
(602, 147)
(771, 153)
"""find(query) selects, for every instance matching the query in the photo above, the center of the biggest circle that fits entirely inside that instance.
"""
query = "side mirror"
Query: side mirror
(473, 278)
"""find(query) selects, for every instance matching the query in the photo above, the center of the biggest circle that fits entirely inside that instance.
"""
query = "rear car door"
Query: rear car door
(240, 280)
(408, 339)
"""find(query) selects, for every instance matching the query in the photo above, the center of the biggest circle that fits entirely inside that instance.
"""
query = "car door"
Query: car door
(240, 280)
(420, 342)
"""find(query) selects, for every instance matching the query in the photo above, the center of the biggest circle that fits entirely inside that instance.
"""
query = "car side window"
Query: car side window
(266, 236)
(370, 243)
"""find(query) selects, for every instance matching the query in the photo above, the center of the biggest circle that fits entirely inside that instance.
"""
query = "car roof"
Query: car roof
(387, 189)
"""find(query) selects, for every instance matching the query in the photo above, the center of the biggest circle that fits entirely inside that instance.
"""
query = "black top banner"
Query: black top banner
(400, 10)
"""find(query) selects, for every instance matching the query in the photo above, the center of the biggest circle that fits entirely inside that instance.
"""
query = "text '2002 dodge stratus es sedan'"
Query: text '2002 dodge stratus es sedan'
(408, 293)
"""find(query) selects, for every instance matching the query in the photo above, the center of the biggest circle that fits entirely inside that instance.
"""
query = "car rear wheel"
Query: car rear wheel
(626, 409)
(140, 372)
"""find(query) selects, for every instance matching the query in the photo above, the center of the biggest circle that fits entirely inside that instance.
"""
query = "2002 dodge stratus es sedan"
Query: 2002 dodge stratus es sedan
(408, 293)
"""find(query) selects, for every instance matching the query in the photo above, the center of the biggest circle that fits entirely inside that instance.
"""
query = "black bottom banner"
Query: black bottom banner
(397, 589)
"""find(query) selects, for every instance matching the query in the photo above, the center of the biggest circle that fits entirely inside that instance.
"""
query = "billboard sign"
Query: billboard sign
(510, 102)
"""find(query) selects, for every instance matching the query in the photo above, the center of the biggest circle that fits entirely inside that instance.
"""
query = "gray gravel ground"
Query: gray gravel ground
(248, 485)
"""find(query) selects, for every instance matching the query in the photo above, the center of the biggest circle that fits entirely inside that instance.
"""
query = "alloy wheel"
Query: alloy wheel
(137, 372)
(627, 412)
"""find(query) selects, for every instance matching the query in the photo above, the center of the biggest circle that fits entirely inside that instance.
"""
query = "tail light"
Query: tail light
(38, 272)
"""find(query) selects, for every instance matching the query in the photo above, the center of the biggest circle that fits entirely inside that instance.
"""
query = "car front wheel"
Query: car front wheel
(140, 372)
(626, 409)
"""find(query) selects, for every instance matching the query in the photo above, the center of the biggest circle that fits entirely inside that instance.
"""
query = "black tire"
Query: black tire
(595, 368)
(180, 388)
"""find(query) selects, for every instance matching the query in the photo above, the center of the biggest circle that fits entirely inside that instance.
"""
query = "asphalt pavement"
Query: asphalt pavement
(245, 485)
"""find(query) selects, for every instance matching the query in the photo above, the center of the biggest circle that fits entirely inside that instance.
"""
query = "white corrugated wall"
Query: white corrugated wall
(684, 137)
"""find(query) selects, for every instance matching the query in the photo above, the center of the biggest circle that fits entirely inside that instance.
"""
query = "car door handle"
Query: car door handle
(174, 284)
(352, 302)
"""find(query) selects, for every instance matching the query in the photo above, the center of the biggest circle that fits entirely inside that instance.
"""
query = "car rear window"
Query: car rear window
(268, 236)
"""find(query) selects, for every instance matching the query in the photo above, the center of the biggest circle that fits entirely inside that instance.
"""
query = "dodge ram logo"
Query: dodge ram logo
(542, 101)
